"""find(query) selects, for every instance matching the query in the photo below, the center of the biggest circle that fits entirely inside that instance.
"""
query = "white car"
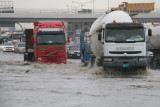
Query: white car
(8, 47)
(1, 47)
(73, 51)
(19, 47)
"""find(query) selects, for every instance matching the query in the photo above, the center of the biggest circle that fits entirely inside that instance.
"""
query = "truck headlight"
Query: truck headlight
(71, 52)
(62, 59)
(39, 59)
(108, 59)
(142, 59)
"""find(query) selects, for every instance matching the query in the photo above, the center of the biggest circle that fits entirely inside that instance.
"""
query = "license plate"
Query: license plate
(78, 54)
(125, 65)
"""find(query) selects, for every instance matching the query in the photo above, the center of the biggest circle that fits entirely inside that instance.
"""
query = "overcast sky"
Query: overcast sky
(62, 4)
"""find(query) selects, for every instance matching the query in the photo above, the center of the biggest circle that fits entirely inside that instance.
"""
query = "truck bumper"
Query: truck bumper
(125, 62)
(52, 59)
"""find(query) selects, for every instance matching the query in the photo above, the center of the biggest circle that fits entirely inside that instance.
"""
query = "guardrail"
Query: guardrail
(55, 11)
(64, 11)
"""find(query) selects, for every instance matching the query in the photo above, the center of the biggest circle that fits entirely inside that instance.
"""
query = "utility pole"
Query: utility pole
(0, 32)
(93, 7)
(81, 3)
(108, 5)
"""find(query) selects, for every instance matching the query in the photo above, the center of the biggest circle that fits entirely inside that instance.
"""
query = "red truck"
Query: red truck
(46, 42)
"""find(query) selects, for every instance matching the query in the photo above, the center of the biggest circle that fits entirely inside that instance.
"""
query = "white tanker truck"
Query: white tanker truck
(118, 42)
(153, 45)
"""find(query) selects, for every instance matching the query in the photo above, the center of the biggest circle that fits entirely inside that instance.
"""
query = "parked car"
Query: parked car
(73, 51)
(1, 47)
(8, 47)
(19, 47)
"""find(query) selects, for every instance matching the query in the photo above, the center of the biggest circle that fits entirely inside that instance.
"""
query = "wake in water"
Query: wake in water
(111, 72)
(73, 67)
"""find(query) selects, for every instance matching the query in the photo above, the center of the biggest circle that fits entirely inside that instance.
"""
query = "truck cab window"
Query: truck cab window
(50, 38)
(124, 35)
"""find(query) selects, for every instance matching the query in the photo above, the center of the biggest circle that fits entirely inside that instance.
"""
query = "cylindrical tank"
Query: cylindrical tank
(118, 16)
(153, 42)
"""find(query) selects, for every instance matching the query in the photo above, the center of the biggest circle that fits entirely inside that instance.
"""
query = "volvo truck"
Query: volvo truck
(46, 42)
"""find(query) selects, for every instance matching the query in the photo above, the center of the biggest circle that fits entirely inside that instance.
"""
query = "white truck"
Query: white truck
(153, 45)
(118, 42)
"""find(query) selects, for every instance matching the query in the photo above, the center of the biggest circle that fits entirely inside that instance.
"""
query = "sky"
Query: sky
(62, 4)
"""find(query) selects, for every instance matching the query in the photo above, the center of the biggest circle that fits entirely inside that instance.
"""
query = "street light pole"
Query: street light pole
(108, 5)
(81, 4)
(93, 6)
(75, 8)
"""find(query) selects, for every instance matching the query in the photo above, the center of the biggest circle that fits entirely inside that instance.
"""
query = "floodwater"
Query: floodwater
(25, 84)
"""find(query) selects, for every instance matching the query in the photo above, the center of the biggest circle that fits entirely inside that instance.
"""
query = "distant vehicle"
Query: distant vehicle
(16, 37)
(73, 51)
(135, 7)
(19, 47)
(8, 47)
(1, 47)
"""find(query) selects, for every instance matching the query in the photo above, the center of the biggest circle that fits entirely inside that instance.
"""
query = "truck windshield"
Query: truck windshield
(124, 35)
(51, 38)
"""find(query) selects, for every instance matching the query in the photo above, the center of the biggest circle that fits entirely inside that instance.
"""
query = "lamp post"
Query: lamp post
(108, 5)
(93, 7)
(81, 3)
(75, 8)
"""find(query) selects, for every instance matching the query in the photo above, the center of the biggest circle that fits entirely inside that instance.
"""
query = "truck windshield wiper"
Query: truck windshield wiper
(46, 43)
(43, 43)
(57, 43)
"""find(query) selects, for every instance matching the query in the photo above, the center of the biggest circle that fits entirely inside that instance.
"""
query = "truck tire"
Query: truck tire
(92, 60)
(104, 68)
(30, 57)
(144, 68)
(99, 62)
(25, 57)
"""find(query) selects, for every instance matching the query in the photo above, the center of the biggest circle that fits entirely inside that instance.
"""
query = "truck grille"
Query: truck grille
(9, 47)
(127, 52)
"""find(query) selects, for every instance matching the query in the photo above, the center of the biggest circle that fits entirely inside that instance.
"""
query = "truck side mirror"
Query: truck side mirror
(99, 37)
(149, 32)
(68, 39)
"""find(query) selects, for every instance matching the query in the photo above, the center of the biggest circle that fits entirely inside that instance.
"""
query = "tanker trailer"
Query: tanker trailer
(153, 45)
(118, 42)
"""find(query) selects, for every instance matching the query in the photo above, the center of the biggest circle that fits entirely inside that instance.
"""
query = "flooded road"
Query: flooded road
(24, 84)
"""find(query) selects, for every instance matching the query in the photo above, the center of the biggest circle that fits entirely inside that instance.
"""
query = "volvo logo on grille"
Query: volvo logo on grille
(124, 48)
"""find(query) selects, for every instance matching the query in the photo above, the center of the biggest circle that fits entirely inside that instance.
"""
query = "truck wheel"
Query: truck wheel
(105, 68)
(99, 63)
(30, 57)
(92, 60)
(144, 68)
(24, 57)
